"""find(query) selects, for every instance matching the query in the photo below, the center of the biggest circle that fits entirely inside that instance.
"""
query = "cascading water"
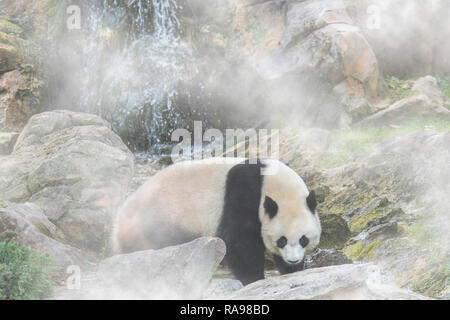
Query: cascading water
(133, 60)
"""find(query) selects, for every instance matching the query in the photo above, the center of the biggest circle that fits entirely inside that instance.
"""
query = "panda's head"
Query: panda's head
(289, 220)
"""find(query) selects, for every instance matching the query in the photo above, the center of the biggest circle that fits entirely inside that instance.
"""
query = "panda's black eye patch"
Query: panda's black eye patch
(271, 207)
(282, 242)
(304, 241)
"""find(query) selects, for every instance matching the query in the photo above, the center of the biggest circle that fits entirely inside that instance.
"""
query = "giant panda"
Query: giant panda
(254, 206)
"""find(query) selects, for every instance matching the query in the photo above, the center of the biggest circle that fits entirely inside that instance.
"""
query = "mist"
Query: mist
(359, 91)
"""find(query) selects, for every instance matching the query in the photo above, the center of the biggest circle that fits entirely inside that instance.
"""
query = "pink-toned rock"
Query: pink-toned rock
(15, 107)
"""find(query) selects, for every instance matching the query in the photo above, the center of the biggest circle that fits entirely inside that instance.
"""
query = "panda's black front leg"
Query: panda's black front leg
(285, 268)
(246, 260)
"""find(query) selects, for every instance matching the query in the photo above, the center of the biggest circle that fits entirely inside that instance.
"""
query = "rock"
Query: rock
(219, 288)
(20, 81)
(34, 215)
(430, 150)
(377, 211)
(259, 25)
(321, 51)
(408, 109)
(8, 55)
(27, 220)
(39, 17)
(8, 26)
(73, 167)
(325, 258)
(399, 185)
(315, 140)
(405, 260)
(429, 86)
(179, 272)
(379, 232)
(321, 45)
(344, 282)
(335, 231)
(18, 99)
(7, 141)
(308, 16)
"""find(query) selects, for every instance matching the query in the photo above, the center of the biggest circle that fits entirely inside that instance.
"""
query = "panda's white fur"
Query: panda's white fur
(189, 194)
(294, 218)
(187, 200)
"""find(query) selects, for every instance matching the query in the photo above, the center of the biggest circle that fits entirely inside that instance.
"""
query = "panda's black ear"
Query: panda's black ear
(311, 201)
(271, 207)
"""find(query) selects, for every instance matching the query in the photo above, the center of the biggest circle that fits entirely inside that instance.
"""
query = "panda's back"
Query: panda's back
(180, 203)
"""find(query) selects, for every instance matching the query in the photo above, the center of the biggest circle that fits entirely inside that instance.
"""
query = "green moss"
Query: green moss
(359, 222)
(358, 251)
(419, 233)
(423, 233)
(7, 26)
(398, 89)
(346, 201)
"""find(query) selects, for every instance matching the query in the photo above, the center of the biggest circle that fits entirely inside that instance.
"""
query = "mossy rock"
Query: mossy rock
(322, 193)
(360, 222)
(335, 232)
(377, 211)
(9, 27)
(358, 251)
(433, 282)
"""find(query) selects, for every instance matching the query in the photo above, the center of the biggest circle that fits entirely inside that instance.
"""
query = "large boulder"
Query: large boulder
(32, 228)
(178, 272)
(329, 56)
(350, 281)
(73, 167)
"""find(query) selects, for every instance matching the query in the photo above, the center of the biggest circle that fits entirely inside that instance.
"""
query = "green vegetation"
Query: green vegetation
(398, 89)
(24, 272)
(420, 233)
(352, 143)
(444, 83)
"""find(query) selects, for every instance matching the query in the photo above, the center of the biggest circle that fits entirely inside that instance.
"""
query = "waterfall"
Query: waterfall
(133, 60)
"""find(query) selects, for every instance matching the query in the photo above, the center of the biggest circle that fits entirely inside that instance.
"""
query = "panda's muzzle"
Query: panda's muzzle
(294, 262)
